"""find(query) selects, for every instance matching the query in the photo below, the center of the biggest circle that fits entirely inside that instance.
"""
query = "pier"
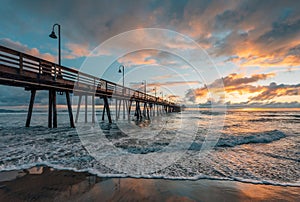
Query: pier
(34, 74)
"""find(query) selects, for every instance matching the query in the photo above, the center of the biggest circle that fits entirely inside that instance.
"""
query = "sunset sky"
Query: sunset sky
(254, 45)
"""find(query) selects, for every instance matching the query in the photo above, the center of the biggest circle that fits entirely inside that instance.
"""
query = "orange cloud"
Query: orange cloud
(77, 50)
(165, 84)
(238, 84)
(274, 90)
(146, 57)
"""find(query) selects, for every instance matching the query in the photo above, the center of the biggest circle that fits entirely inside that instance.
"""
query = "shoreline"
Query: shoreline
(43, 183)
(116, 176)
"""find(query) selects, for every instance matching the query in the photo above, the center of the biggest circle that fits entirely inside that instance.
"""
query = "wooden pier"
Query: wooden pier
(33, 73)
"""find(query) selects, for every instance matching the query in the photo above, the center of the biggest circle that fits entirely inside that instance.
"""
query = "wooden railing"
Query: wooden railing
(58, 74)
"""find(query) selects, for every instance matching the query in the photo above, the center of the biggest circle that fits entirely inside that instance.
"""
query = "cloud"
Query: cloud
(236, 85)
(274, 90)
(24, 48)
(160, 77)
(249, 37)
(224, 28)
(166, 84)
(238, 79)
(145, 57)
(77, 50)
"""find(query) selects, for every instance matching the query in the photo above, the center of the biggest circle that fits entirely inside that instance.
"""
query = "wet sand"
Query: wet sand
(48, 184)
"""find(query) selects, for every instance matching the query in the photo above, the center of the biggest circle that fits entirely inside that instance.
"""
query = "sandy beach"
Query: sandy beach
(48, 184)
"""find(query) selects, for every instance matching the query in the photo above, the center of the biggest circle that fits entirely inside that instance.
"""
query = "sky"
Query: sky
(238, 53)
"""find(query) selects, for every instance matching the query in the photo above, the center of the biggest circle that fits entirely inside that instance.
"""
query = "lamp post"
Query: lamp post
(162, 95)
(53, 36)
(122, 71)
(145, 86)
(52, 93)
(154, 91)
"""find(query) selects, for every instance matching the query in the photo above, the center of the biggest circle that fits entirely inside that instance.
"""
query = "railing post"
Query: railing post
(40, 69)
(54, 72)
(21, 62)
(94, 85)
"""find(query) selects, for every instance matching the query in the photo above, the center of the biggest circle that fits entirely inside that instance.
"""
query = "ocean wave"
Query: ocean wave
(264, 137)
(152, 176)
(252, 138)
(262, 120)
(212, 113)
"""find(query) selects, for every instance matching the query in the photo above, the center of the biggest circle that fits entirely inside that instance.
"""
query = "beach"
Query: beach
(255, 158)
(48, 184)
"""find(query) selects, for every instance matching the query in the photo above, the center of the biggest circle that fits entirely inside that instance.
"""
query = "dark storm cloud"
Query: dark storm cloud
(260, 33)
(281, 31)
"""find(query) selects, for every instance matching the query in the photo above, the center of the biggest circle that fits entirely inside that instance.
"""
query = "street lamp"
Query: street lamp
(122, 71)
(53, 36)
(154, 90)
(145, 86)
(162, 95)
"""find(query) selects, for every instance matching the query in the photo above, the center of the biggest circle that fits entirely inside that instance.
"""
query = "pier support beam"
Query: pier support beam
(33, 92)
(86, 108)
(103, 112)
(93, 108)
(123, 109)
(106, 105)
(78, 108)
(50, 104)
(54, 109)
(129, 109)
(70, 109)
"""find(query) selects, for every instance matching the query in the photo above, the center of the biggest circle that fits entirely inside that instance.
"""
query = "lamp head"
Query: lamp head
(53, 35)
(121, 66)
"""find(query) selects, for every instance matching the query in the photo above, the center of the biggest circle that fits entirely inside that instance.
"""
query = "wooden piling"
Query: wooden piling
(33, 92)
(50, 105)
(123, 109)
(116, 109)
(54, 109)
(107, 109)
(78, 108)
(129, 109)
(86, 108)
(103, 112)
(93, 108)
(70, 109)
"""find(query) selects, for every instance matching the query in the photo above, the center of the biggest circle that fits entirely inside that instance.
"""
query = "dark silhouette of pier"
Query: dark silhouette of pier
(33, 73)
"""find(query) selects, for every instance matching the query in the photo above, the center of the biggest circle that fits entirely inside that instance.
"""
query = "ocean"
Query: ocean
(255, 146)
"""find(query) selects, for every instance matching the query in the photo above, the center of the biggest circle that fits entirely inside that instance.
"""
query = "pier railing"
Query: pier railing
(21, 69)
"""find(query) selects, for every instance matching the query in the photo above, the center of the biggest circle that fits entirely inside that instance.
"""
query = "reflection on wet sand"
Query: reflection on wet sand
(47, 184)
